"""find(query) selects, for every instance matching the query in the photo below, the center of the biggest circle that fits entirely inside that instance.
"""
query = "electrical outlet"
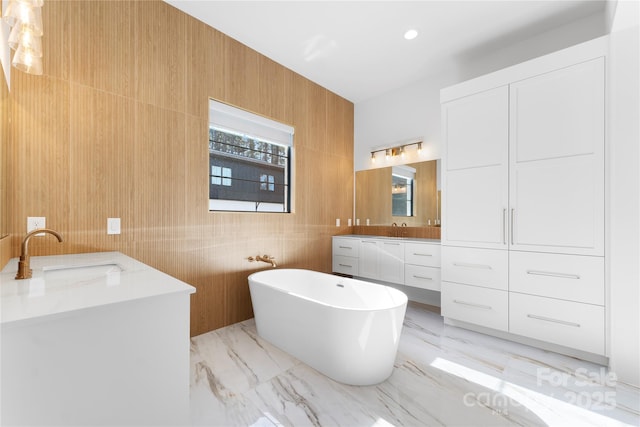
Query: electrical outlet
(113, 225)
(34, 222)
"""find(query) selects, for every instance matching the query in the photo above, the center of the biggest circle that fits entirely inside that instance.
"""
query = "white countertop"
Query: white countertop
(404, 239)
(65, 283)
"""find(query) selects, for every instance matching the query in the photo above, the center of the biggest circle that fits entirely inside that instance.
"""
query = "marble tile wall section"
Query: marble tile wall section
(443, 376)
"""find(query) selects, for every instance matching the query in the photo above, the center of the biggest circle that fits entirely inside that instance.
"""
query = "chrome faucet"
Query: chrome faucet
(24, 272)
(264, 258)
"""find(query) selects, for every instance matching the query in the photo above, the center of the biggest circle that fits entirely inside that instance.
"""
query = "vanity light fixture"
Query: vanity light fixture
(25, 16)
(399, 150)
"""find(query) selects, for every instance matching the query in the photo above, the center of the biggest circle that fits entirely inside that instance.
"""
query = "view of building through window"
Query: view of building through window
(249, 161)
(247, 173)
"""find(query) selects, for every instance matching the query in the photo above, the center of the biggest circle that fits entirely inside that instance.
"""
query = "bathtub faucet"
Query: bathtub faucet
(24, 272)
(264, 258)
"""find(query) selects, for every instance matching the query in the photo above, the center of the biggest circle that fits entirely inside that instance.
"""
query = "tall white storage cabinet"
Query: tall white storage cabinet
(557, 160)
(476, 129)
(523, 208)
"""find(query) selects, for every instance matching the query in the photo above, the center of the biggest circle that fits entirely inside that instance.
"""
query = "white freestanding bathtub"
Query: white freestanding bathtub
(345, 328)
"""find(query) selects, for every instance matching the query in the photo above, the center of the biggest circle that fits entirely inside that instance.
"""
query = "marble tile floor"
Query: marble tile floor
(443, 376)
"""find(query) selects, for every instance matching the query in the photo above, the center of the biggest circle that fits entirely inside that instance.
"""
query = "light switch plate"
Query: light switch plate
(113, 225)
(34, 222)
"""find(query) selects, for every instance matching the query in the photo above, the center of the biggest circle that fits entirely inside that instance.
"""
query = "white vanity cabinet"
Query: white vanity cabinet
(398, 261)
(368, 261)
(382, 260)
(422, 265)
(523, 201)
(94, 339)
(346, 256)
(475, 286)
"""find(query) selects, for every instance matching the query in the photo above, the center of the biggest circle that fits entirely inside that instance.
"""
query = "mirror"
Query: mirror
(402, 194)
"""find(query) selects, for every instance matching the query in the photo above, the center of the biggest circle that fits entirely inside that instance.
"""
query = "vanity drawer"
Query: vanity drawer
(568, 277)
(472, 304)
(346, 247)
(345, 265)
(488, 268)
(571, 324)
(424, 254)
(422, 277)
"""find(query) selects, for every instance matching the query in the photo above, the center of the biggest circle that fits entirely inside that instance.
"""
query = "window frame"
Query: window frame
(408, 174)
(232, 120)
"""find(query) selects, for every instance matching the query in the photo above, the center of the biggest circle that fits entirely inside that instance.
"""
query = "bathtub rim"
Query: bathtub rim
(315, 301)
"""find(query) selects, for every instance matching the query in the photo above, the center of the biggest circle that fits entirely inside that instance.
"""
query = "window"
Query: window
(220, 176)
(249, 161)
(402, 178)
(267, 182)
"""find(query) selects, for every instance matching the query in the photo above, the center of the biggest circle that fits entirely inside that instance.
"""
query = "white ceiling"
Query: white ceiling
(356, 48)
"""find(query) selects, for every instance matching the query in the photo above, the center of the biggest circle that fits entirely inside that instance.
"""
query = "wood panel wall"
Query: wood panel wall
(390, 231)
(117, 127)
(5, 116)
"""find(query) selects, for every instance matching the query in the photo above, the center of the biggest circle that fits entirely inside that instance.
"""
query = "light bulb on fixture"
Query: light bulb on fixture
(26, 60)
(26, 14)
(21, 35)
(399, 150)
(33, 3)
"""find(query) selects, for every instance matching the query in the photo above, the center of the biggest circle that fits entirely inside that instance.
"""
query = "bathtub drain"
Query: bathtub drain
(340, 285)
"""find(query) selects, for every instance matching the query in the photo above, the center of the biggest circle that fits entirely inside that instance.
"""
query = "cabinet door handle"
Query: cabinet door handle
(512, 226)
(394, 244)
(485, 307)
(464, 264)
(345, 247)
(422, 277)
(552, 274)
(504, 226)
(549, 319)
(422, 254)
(345, 265)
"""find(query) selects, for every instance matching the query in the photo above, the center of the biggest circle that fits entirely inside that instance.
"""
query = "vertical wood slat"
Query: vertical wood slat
(5, 135)
(160, 53)
(101, 170)
(39, 158)
(103, 55)
(117, 127)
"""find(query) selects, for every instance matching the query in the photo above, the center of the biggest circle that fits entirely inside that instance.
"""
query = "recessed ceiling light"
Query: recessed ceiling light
(411, 34)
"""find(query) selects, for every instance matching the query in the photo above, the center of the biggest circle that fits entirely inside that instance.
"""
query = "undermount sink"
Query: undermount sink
(81, 272)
